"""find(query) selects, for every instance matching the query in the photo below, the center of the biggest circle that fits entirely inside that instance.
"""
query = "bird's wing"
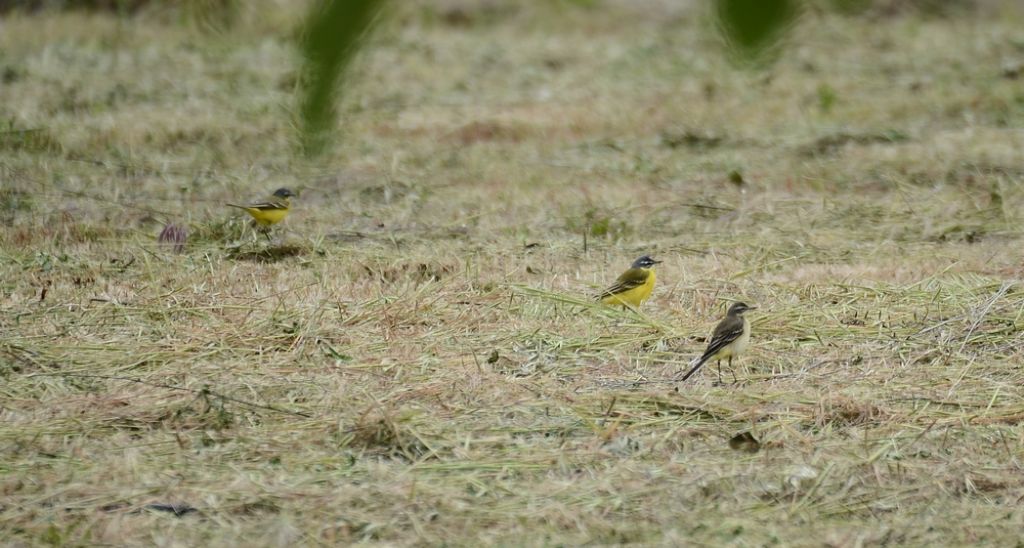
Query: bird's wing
(630, 279)
(725, 333)
(272, 203)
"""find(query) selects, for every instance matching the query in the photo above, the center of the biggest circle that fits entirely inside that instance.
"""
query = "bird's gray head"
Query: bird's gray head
(737, 309)
(284, 193)
(645, 262)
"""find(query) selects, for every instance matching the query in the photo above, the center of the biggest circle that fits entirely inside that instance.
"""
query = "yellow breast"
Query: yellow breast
(267, 216)
(633, 297)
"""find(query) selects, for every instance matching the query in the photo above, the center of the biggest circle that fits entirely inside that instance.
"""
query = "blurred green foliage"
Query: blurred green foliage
(754, 29)
(332, 36)
(827, 97)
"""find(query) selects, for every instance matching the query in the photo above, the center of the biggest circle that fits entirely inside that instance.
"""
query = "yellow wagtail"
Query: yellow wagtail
(271, 211)
(729, 340)
(634, 286)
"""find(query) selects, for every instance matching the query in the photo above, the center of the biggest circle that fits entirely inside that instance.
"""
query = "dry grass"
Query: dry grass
(414, 359)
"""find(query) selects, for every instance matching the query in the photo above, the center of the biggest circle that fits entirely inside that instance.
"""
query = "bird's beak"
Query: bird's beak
(751, 308)
(656, 262)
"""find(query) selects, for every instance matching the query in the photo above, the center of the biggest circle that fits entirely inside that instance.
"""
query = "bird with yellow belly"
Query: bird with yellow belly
(270, 211)
(634, 286)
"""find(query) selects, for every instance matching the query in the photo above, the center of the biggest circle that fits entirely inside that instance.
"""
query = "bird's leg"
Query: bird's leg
(255, 232)
(734, 381)
(719, 371)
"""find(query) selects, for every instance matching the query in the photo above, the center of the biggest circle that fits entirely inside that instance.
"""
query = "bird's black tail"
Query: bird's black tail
(700, 363)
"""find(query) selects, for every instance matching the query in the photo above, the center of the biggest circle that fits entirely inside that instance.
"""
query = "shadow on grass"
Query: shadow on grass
(270, 254)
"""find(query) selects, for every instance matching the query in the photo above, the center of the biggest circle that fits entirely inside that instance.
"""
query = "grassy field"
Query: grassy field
(415, 359)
